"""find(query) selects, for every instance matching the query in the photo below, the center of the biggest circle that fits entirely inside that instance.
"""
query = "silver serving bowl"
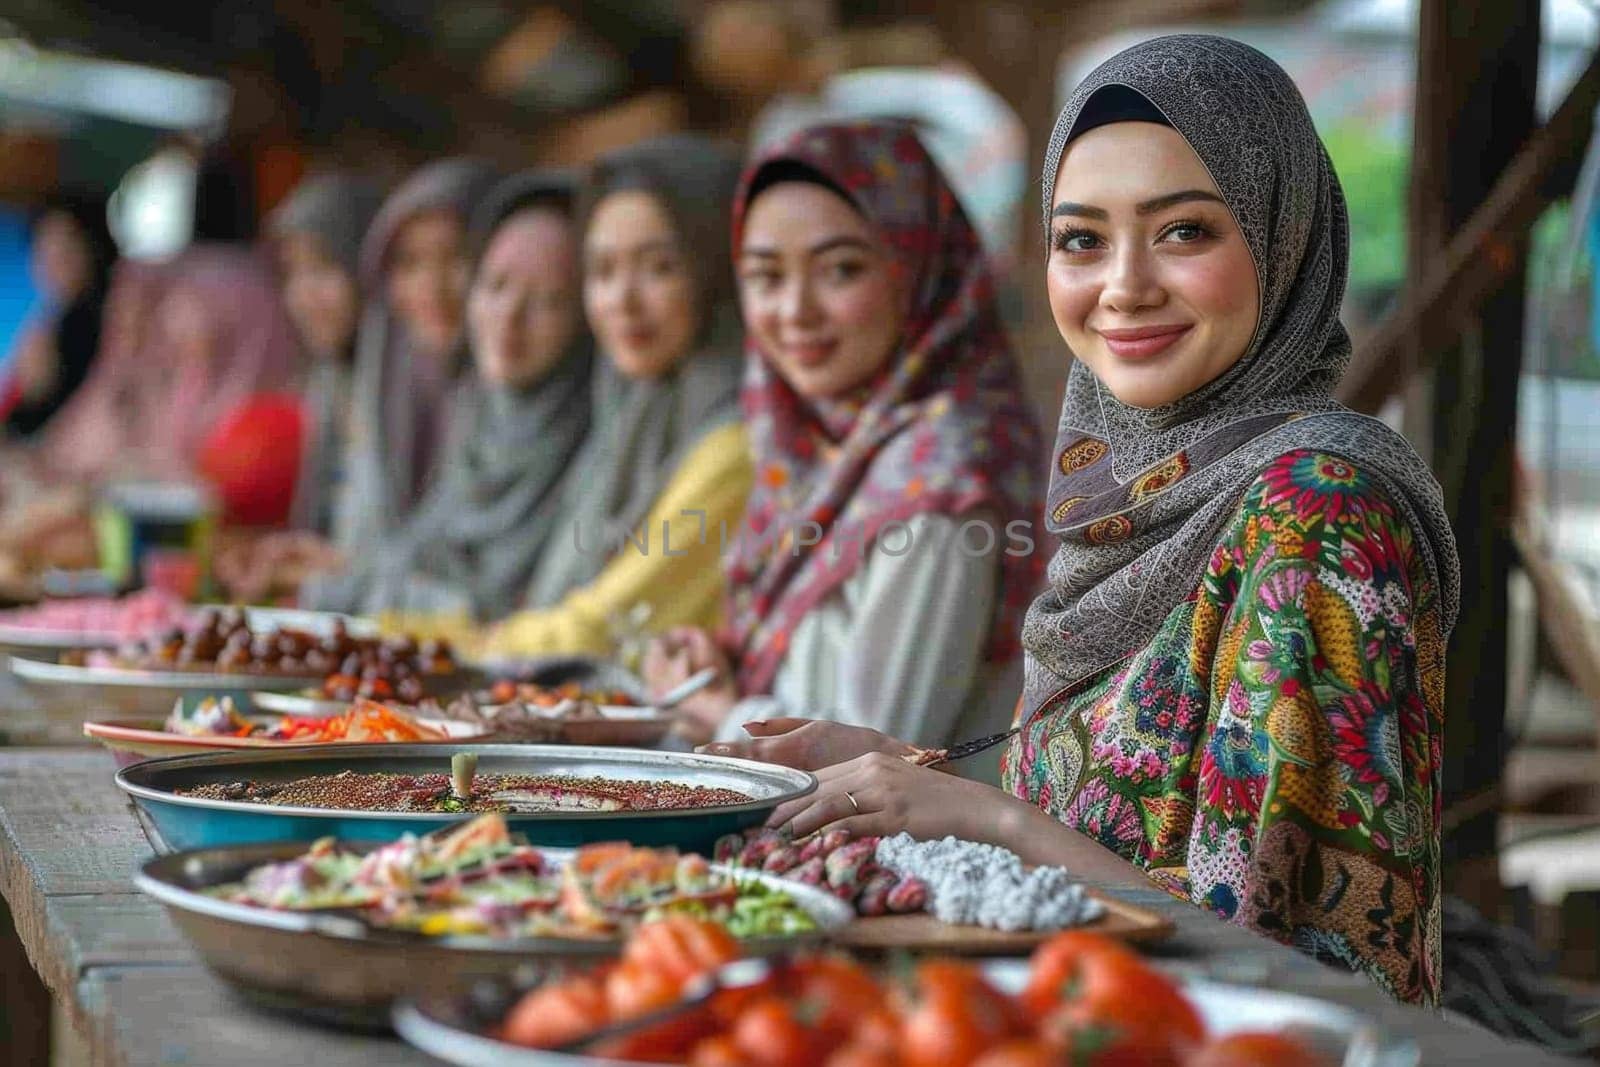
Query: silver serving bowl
(335, 968)
(447, 1027)
(193, 822)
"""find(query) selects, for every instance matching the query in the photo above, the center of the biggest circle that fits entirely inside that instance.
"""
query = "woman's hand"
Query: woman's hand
(808, 744)
(881, 794)
(671, 659)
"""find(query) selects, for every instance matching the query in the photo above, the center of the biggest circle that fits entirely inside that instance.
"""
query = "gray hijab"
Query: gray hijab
(336, 208)
(1140, 497)
(403, 397)
(642, 430)
(474, 540)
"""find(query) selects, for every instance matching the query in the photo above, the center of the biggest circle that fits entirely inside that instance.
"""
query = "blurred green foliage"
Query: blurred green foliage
(1373, 167)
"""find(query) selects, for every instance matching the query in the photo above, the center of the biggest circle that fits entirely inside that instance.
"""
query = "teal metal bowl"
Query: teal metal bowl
(184, 822)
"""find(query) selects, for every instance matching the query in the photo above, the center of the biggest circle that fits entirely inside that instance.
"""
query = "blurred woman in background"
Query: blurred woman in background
(883, 565)
(72, 254)
(473, 543)
(193, 338)
(316, 236)
(373, 453)
(665, 459)
(415, 266)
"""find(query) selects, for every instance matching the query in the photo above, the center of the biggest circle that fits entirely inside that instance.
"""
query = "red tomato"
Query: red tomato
(877, 1029)
(1070, 964)
(771, 1033)
(719, 1051)
(955, 1017)
(1026, 1052)
(857, 1054)
(834, 991)
(667, 1042)
(556, 1014)
(633, 990)
(681, 948)
(1090, 1035)
(1255, 1049)
(1092, 979)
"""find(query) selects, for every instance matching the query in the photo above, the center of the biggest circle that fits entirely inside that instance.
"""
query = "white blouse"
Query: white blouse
(901, 645)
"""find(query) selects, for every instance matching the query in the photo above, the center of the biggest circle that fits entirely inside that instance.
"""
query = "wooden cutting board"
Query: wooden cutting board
(922, 932)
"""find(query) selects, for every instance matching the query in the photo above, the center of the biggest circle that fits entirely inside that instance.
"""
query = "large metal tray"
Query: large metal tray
(339, 970)
(634, 727)
(140, 693)
(49, 644)
(132, 741)
(440, 1025)
(190, 822)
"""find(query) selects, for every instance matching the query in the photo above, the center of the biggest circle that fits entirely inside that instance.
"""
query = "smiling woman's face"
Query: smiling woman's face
(818, 289)
(427, 279)
(1150, 281)
(522, 309)
(638, 285)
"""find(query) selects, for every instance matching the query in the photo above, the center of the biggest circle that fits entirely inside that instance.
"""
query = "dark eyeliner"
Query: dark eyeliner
(1059, 241)
(1192, 224)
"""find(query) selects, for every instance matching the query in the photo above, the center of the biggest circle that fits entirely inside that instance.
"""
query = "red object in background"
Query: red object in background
(10, 394)
(174, 571)
(252, 458)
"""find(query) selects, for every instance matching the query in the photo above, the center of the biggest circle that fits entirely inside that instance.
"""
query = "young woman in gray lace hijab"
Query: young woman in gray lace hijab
(665, 460)
(1234, 680)
(316, 235)
(495, 507)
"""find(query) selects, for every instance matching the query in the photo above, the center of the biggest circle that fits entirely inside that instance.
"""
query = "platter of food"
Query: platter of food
(55, 626)
(1079, 991)
(516, 711)
(71, 624)
(215, 725)
(339, 929)
(222, 653)
(556, 795)
(952, 896)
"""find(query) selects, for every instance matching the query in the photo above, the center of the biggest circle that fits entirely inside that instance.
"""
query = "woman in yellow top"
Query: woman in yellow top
(663, 475)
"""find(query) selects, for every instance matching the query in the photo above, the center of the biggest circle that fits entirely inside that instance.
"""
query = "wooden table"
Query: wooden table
(132, 987)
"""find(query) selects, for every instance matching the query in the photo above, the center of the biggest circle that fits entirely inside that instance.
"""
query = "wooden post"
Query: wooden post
(1475, 106)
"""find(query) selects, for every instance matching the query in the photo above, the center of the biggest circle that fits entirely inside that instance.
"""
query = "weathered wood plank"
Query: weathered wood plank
(68, 824)
(182, 1015)
(67, 840)
(119, 929)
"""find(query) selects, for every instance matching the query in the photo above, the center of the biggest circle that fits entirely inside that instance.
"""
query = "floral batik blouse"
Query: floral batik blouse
(1273, 754)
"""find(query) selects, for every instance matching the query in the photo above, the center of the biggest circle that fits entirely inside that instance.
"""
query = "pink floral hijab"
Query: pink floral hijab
(945, 429)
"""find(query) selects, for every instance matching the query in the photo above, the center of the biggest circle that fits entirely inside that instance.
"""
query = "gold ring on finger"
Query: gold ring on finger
(851, 797)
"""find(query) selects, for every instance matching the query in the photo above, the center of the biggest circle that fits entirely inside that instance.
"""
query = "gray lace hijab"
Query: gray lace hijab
(642, 429)
(403, 397)
(495, 504)
(335, 208)
(1140, 497)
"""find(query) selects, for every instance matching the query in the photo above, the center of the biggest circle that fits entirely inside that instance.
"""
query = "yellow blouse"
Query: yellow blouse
(673, 564)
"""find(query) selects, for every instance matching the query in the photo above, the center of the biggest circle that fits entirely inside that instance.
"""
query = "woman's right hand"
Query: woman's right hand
(808, 744)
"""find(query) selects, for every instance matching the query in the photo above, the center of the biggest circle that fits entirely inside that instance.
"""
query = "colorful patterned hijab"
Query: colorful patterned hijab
(945, 430)
(1140, 497)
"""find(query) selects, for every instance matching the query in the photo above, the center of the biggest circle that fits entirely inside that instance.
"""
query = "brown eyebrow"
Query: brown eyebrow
(1147, 207)
(828, 244)
(665, 244)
